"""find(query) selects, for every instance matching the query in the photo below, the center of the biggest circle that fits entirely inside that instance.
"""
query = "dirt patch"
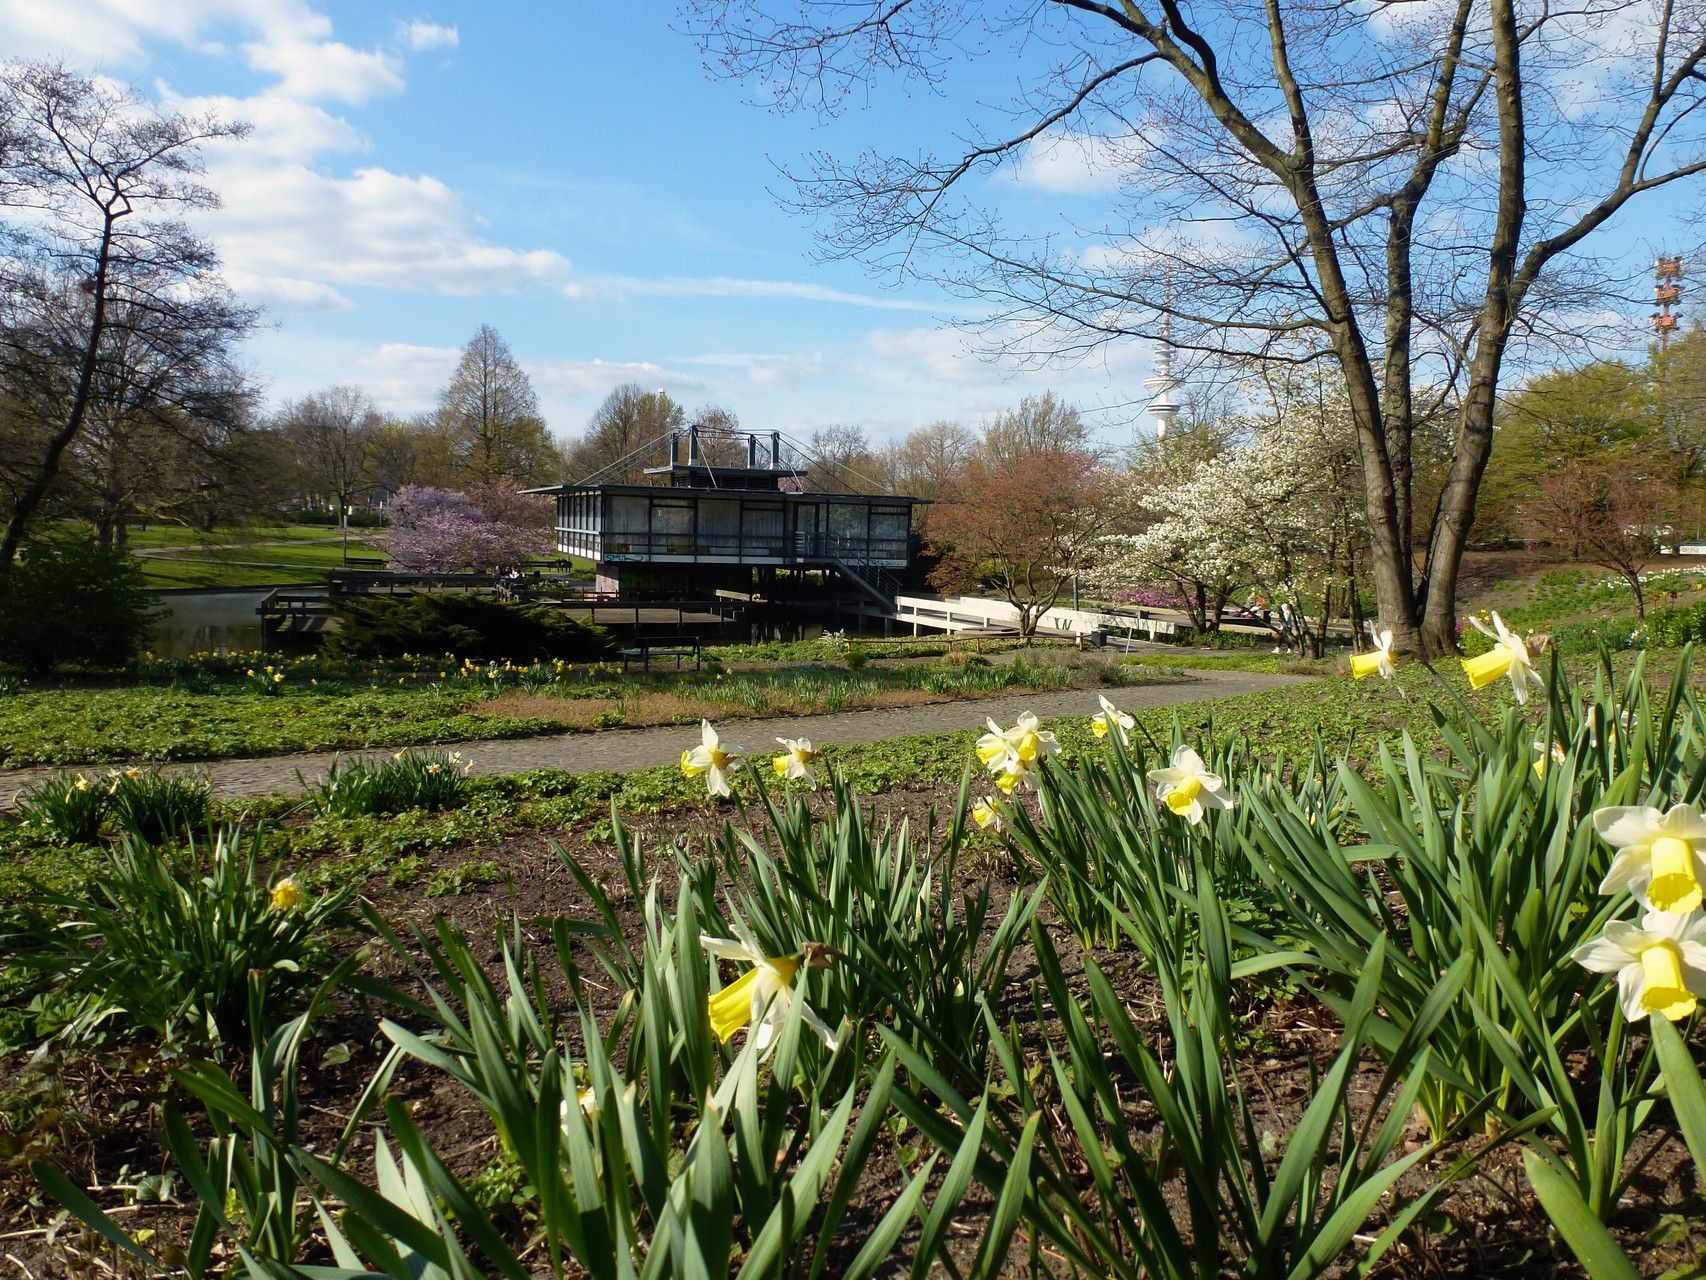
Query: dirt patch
(108, 1107)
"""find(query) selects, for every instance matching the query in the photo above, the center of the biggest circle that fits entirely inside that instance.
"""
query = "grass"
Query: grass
(247, 565)
(1349, 715)
(171, 535)
(214, 709)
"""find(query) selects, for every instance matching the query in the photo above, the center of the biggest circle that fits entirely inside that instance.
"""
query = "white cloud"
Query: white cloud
(285, 293)
(376, 229)
(431, 35)
(595, 379)
(404, 377)
(620, 287)
(313, 69)
(1079, 164)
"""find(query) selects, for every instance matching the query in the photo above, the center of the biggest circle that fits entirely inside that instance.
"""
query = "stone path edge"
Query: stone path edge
(623, 750)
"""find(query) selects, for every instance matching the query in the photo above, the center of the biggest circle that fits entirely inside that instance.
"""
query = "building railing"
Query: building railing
(820, 548)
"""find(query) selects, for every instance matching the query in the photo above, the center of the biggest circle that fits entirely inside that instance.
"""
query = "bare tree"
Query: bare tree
(619, 438)
(1608, 512)
(336, 434)
(490, 416)
(925, 462)
(835, 458)
(1392, 187)
(97, 273)
(1038, 424)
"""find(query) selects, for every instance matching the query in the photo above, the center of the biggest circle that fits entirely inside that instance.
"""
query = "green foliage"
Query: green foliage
(163, 940)
(70, 806)
(1103, 1192)
(69, 601)
(1483, 867)
(1673, 628)
(468, 625)
(152, 806)
(409, 780)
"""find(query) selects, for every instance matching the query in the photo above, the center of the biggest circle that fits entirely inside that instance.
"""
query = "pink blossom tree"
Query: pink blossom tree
(442, 531)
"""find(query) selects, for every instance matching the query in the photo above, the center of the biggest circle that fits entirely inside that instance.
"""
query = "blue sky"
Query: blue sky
(570, 175)
(564, 172)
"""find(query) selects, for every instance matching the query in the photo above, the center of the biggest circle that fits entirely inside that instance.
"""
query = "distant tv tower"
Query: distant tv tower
(1163, 409)
(1667, 293)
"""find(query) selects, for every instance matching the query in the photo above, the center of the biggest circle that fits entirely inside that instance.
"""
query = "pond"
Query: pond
(206, 622)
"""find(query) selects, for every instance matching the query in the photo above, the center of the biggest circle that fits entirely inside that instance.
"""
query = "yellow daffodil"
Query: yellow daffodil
(1660, 964)
(712, 759)
(1378, 660)
(1554, 756)
(762, 996)
(1186, 785)
(1661, 857)
(82, 783)
(796, 763)
(987, 815)
(1111, 720)
(1509, 656)
(286, 895)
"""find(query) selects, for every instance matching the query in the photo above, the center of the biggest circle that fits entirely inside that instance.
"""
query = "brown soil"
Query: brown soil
(103, 1122)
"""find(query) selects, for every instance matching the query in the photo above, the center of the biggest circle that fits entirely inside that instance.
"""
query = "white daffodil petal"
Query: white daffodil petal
(1602, 955)
(1622, 825)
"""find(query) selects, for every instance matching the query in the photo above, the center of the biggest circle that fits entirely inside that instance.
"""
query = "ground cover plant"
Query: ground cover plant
(231, 705)
(1339, 1012)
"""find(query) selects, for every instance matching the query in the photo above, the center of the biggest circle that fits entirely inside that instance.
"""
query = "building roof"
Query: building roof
(768, 495)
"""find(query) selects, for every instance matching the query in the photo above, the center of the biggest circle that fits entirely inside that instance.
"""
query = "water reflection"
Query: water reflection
(206, 622)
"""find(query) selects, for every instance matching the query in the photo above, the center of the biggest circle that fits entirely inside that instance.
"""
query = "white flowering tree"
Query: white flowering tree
(1278, 512)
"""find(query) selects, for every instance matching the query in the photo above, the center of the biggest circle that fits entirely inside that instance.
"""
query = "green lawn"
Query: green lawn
(249, 564)
(172, 535)
(214, 710)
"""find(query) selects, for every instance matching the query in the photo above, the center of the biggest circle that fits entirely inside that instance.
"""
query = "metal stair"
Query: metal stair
(874, 580)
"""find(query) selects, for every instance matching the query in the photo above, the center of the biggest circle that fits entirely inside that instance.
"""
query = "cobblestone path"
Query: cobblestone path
(623, 749)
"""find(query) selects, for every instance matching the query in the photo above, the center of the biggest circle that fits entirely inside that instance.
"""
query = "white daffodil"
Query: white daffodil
(1015, 752)
(1660, 964)
(796, 763)
(1661, 857)
(1509, 656)
(712, 759)
(1112, 720)
(762, 996)
(987, 815)
(1378, 660)
(1186, 785)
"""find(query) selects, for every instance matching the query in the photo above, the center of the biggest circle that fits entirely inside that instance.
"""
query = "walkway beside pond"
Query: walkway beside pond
(626, 749)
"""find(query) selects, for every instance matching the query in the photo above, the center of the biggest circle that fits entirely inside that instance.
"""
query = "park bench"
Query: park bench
(643, 651)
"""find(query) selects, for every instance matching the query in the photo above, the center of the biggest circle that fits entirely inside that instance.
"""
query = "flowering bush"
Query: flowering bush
(440, 531)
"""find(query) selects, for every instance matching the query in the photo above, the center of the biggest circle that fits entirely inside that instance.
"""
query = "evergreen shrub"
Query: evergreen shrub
(467, 626)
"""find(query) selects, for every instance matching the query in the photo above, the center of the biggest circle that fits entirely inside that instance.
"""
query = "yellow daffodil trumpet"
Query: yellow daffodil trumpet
(1660, 963)
(286, 895)
(1661, 857)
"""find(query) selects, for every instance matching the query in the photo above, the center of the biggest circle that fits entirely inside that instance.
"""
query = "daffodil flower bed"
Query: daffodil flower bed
(1017, 1029)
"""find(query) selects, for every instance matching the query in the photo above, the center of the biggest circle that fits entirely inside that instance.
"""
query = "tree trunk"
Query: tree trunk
(1475, 443)
(31, 495)
(1634, 576)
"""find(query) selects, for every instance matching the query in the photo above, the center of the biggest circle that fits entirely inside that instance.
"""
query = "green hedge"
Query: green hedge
(467, 626)
(71, 601)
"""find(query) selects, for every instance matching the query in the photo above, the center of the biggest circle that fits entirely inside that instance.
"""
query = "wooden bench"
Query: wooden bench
(677, 647)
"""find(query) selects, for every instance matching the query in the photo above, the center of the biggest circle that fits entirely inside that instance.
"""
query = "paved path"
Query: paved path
(622, 749)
